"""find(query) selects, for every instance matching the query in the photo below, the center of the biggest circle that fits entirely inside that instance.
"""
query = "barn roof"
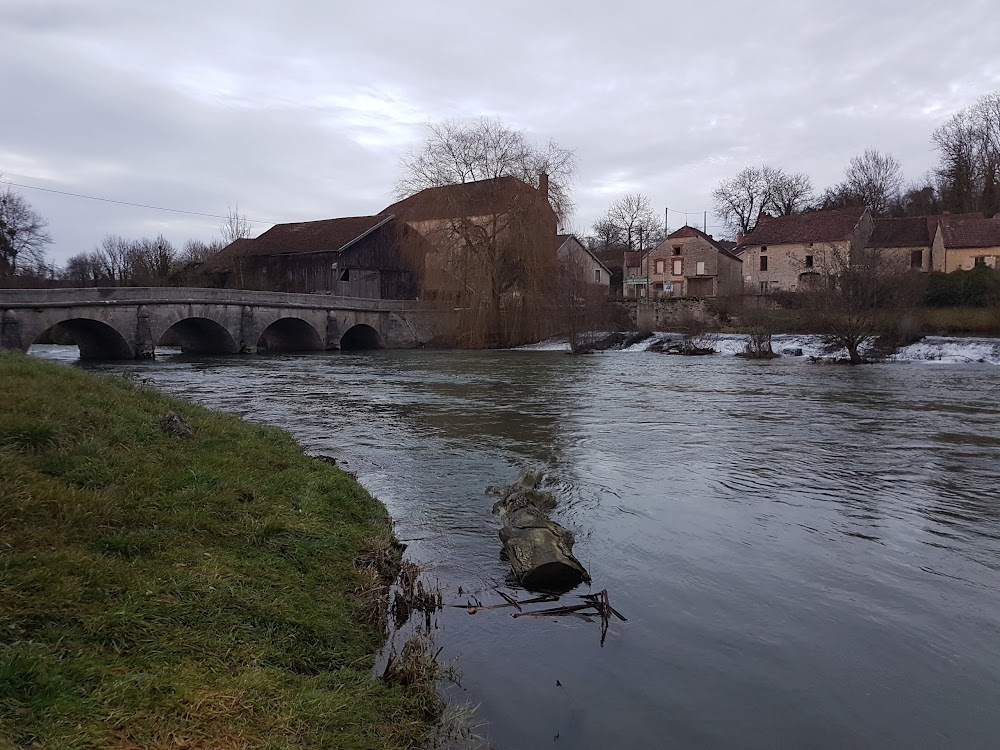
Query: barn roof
(478, 198)
(327, 235)
(908, 232)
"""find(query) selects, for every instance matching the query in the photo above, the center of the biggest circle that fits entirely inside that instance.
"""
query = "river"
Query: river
(807, 555)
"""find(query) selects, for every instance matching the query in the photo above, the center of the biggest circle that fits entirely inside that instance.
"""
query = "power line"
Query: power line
(127, 203)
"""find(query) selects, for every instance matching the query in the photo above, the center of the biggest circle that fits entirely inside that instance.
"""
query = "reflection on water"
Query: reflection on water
(807, 555)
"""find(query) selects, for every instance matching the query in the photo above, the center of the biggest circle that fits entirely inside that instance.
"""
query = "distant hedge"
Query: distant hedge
(979, 287)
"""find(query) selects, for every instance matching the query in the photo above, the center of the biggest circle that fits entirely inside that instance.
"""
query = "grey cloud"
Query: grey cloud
(303, 110)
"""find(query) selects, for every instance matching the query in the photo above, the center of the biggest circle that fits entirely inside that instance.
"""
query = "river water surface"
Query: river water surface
(808, 555)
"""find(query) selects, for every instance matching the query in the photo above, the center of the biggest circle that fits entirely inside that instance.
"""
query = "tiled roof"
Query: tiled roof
(479, 198)
(813, 226)
(909, 232)
(328, 235)
(969, 231)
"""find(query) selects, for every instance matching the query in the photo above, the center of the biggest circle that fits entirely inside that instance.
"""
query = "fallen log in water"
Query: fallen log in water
(540, 551)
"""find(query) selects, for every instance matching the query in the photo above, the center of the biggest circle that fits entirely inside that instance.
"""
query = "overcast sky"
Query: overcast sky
(301, 110)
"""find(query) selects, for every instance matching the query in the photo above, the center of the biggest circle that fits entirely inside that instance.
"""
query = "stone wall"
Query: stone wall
(669, 313)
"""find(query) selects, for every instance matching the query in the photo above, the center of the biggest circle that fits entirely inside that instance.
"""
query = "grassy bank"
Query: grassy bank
(186, 592)
(962, 321)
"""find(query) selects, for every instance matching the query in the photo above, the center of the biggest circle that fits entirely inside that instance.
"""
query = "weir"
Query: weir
(129, 322)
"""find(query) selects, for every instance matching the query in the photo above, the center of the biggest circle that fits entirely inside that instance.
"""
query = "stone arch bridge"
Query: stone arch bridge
(128, 322)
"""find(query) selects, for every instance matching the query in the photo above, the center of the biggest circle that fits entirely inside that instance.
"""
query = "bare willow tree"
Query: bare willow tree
(632, 222)
(873, 179)
(458, 152)
(739, 200)
(969, 169)
(23, 235)
(864, 301)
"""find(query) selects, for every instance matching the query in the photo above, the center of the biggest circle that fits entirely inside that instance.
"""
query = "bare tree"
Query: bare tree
(872, 179)
(759, 318)
(631, 221)
(740, 200)
(607, 236)
(790, 193)
(197, 251)
(23, 238)
(457, 152)
(863, 301)
(236, 226)
(969, 168)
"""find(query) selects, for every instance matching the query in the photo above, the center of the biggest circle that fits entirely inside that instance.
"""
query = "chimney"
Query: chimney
(740, 238)
(543, 184)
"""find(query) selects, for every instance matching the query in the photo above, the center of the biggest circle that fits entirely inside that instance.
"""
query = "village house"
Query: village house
(690, 263)
(356, 256)
(909, 239)
(787, 253)
(572, 252)
(965, 241)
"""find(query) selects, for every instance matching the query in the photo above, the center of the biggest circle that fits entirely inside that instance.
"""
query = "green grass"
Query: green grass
(171, 592)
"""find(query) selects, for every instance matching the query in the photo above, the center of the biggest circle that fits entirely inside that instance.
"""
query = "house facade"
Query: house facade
(910, 240)
(788, 253)
(573, 253)
(964, 242)
(690, 263)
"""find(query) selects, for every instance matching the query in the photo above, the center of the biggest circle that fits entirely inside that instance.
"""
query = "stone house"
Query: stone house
(786, 253)
(910, 239)
(690, 263)
(570, 250)
(356, 256)
(965, 241)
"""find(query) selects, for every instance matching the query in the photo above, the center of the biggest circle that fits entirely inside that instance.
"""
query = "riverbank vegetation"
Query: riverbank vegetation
(207, 591)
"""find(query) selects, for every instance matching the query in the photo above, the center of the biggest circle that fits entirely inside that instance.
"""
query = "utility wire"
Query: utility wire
(126, 203)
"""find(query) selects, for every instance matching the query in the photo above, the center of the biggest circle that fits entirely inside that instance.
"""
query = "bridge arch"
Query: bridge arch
(202, 336)
(290, 335)
(361, 336)
(95, 339)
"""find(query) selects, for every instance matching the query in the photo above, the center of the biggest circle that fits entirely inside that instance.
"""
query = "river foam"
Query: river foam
(931, 349)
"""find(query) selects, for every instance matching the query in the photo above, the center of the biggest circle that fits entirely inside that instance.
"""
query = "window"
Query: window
(346, 275)
(980, 260)
(809, 261)
(597, 275)
(700, 268)
(677, 249)
(678, 267)
(661, 266)
(763, 287)
(763, 263)
(917, 259)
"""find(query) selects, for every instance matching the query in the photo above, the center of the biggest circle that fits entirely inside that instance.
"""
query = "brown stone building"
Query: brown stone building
(690, 263)
(786, 253)
(965, 241)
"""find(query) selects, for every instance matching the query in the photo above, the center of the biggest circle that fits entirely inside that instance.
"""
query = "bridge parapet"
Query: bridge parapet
(127, 322)
(126, 295)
